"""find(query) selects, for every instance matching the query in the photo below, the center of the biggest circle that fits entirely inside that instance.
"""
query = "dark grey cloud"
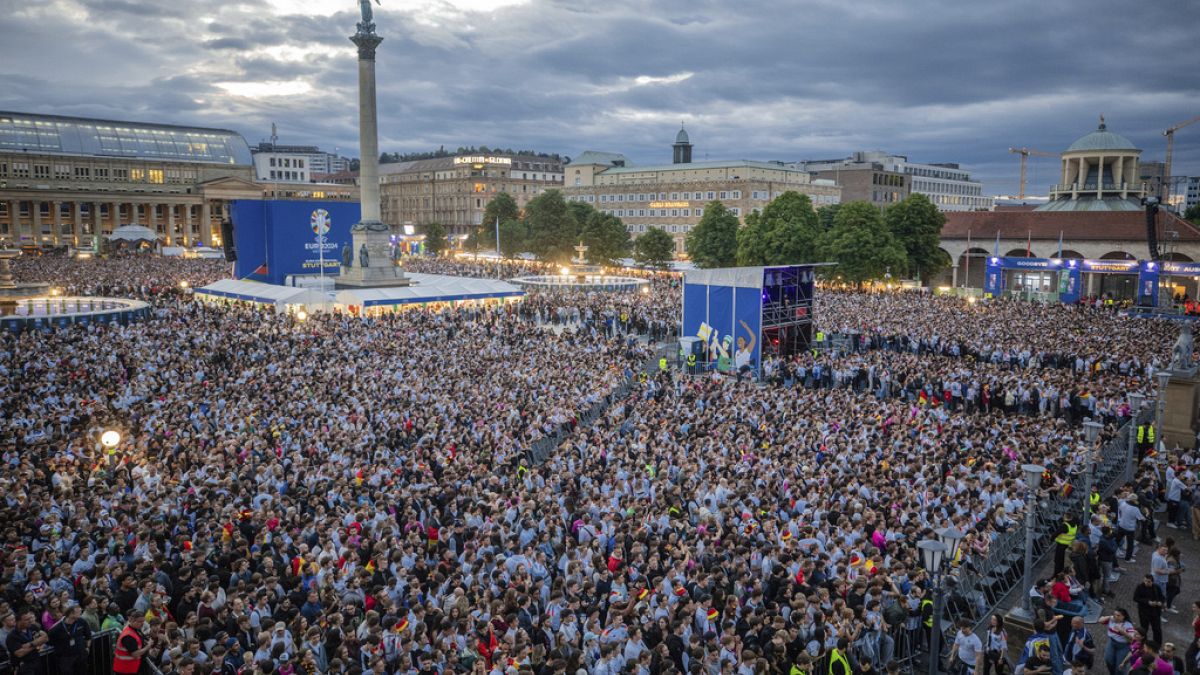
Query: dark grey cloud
(935, 80)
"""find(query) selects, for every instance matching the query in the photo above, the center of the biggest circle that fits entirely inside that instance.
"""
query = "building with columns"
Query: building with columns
(1094, 212)
(66, 180)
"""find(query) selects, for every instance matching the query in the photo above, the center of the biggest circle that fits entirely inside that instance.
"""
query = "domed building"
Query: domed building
(1099, 173)
(682, 148)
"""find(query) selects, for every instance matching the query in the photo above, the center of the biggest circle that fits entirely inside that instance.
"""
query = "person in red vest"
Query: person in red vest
(131, 647)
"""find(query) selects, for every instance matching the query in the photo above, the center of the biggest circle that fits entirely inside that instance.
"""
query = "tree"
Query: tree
(916, 224)
(553, 230)
(1192, 214)
(826, 214)
(861, 244)
(606, 238)
(752, 241)
(655, 247)
(514, 238)
(713, 242)
(435, 238)
(502, 206)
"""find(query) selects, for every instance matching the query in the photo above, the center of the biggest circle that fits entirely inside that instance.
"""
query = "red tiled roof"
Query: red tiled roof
(1076, 225)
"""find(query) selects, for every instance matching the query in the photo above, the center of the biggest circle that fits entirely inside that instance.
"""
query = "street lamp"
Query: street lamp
(1091, 431)
(110, 438)
(1164, 377)
(301, 315)
(1136, 401)
(932, 554)
(1033, 479)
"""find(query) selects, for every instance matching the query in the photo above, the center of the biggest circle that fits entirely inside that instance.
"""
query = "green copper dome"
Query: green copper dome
(1102, 139)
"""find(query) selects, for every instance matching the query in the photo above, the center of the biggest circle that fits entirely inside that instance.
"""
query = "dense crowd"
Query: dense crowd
(344, 495)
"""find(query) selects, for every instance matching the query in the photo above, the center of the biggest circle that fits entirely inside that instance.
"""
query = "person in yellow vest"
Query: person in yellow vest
(838, 663)
(1094, 500)
(1062, 541)
(131, 646)
(1145, 440)
(691, 363)
(643, 377)
(802, 666)
(662, 364)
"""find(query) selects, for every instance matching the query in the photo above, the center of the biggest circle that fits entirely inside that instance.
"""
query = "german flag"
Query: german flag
(401, 625)
(713, 614)
(643, 594)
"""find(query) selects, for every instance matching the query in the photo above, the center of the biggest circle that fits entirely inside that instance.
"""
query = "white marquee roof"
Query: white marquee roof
(429, 288)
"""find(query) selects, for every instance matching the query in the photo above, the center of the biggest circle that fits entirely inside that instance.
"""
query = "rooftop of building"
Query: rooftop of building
(589, 157)
(89, 137)
(691, 166)
(983, 226)
(442, 163)
(1102, 139)
(287, 149)
(1092, 204)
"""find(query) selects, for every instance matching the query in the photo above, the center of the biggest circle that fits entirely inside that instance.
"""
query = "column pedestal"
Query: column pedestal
(1179, 416)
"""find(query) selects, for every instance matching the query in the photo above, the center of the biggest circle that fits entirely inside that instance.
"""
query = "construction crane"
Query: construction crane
(1164, 188)
(1025, 153)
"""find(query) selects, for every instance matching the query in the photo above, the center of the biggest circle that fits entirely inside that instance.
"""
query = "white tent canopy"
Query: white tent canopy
(134, 233)
(279, 297)
(429, 288)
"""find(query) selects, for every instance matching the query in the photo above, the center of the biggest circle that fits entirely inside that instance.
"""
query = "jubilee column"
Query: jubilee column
(369, 260)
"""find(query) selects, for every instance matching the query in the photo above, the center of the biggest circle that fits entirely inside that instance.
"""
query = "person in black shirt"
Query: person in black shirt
(1150, 602)
(71, 639)
(23, 645)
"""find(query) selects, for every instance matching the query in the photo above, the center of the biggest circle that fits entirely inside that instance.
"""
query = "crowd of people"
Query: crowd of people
(346, 495)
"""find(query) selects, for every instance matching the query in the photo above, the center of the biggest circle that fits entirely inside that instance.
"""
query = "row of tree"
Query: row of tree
(865, 242)
(550, 227)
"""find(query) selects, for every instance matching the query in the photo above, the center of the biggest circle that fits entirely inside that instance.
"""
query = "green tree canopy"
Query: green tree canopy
(713, 241)
(654, 247)
(826, 214)
(916, 224)
(752, 242)
(514, 238)
(435, 238)
(861, 244)
(553, 231)
(791, 227)
(606, 238)
(502, 206)
(1193, 214)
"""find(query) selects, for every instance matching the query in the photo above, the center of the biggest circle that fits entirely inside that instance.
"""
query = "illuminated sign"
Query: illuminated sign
(1110, 266)
(669, 205)
(480, 159)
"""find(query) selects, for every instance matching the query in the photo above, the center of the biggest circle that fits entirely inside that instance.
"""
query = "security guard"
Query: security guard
(1062, 541)
(1145, 439)
(838, 663)
(691, 363)
(1094, 500)
(643, 377)
(662, 364)
(131, 646)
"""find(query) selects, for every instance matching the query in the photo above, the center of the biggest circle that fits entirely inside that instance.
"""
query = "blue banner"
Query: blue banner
(728, 321)
(276, 239)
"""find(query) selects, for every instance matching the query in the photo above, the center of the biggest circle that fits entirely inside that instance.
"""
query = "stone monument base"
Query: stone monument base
(1179, 416)
(379, 271)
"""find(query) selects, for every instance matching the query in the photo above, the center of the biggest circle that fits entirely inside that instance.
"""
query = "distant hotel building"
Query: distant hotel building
(454, 191)
(671, 197)
(64, 180)
(296, 163)
(883, 179)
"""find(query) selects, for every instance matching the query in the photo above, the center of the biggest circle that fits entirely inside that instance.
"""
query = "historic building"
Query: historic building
(65, 180)
(672, 197)
(1095, 212)
(883, 179)
(454, 191)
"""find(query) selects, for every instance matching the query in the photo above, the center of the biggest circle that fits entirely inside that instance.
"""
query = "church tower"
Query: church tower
(682, 147)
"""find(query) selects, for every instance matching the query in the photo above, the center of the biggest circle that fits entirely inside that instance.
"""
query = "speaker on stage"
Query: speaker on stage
(227, 240)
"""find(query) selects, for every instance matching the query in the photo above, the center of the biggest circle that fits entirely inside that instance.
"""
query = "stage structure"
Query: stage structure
(1063, 277)
(737, 315)
(276, 239)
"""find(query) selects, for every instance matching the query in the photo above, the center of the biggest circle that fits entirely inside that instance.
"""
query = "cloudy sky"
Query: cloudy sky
(776, 79)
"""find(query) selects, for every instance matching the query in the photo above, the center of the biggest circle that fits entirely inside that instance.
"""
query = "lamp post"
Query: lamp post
(1033, 479)
(110, 440)
(1136, 401)
(1091, 431)
(932, 553)
(1164, 377)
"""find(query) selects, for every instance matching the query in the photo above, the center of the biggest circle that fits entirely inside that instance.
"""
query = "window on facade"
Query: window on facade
(82, 172)
(21, 170)
(41, 171)
(737, 194)
(711, 196)
(156, 176)
(724, 195)
(62, 172)
(137, 174)
(687, 213)
(736, 211)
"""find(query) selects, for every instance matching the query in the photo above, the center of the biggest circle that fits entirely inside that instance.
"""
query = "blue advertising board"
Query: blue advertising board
(1070, 272)
(723, 308)
(276, 238)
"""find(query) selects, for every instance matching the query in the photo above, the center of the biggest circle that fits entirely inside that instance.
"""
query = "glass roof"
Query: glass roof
(102, 138)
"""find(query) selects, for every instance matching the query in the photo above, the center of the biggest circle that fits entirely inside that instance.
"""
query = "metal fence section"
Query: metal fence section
(540, 449)
(984, 584)
(98, 661)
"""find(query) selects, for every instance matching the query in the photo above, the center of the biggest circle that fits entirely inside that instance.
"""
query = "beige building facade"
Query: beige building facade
(672, 197)
(455, 191)
(66, 180)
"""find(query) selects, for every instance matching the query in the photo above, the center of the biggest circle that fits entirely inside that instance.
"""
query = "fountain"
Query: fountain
(579, 276)
(36, 306)
(10, 290)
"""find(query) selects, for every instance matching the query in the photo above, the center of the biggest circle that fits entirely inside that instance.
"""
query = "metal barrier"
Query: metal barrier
(97, 662)
(986, 584)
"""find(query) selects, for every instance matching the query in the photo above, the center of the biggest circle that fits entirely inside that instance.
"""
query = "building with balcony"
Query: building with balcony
(1100, 172)
(455, 191)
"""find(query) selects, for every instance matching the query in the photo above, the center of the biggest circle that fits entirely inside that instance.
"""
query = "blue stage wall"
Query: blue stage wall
(276, 238)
